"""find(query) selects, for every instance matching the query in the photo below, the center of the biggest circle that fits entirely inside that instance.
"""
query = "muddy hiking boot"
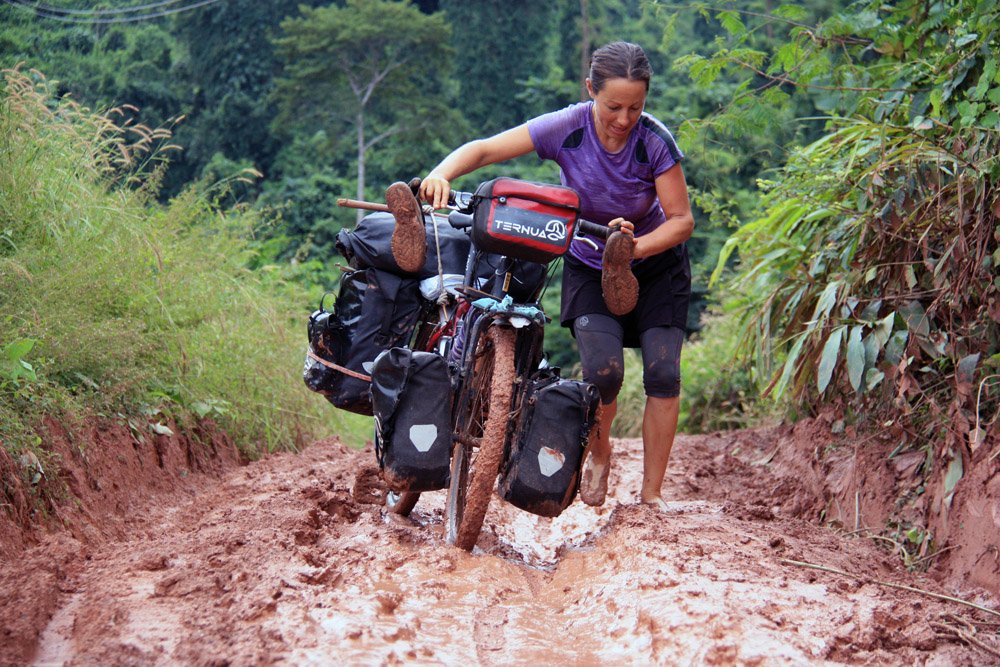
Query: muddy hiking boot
(618, 283)
(409, 242)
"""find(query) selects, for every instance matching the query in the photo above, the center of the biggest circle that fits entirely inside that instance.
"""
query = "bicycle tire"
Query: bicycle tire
(474, 474)
(401, 503)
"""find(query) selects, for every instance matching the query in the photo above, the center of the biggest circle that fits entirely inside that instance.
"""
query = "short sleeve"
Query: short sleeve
(663, 150)
(549, 131)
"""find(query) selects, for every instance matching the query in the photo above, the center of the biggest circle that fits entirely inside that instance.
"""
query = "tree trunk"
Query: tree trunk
(361, 163)
(584, 47)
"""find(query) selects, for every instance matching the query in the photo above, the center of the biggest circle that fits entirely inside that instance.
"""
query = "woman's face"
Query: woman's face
(617, 108)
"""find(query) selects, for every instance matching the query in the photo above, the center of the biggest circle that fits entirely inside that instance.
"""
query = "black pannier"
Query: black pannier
(524, 220)
(374, 310)
(370, 244)
(547, 446)
(411, 400)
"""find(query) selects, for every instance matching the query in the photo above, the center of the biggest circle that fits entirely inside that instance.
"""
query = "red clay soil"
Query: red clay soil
(177, 554)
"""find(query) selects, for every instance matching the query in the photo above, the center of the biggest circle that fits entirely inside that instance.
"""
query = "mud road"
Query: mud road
(291, 560)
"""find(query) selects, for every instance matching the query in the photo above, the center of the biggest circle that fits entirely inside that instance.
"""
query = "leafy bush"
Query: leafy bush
(718, 390)
(869, 276)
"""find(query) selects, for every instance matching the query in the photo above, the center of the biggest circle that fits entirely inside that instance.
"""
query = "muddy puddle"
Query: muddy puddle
(281, 563)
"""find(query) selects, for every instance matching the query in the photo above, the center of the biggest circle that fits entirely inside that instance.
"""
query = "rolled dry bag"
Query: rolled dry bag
(543, 471)
(369, 243)
(374, 311)
(411, 401)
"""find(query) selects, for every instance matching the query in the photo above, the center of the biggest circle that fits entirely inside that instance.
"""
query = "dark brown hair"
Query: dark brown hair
(619, 60)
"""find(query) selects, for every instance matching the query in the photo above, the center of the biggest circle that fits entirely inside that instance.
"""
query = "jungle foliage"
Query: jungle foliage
(841, 160)
(868, 277)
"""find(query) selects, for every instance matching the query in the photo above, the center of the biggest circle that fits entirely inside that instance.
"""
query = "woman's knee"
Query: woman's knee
(661, 361)
(608, 378)
(601, 357)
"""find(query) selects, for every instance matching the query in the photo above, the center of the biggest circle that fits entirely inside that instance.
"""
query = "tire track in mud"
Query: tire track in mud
(288, 560)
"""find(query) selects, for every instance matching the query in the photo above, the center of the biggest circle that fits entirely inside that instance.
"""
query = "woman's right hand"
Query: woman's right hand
(435, 190)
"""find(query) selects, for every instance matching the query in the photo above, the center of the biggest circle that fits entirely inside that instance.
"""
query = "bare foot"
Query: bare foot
(618, 283)
(409, 240)
(594, 483)
(656, 503)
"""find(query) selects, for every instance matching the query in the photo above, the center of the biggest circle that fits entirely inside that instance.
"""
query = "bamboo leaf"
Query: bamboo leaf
(872, 348)
(952, 477)
(727, 250)
(872, 378)
(828, 360)
(883, 329)
(855, 357)
(966, 370)
(790, 364)
(894, 348)
(826, 301)
(915, 316)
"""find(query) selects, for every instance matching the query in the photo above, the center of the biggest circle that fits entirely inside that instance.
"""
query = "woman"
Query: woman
(626, 167)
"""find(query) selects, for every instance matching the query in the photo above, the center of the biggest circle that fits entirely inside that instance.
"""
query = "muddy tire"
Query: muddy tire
(481, 431)
(402, 502)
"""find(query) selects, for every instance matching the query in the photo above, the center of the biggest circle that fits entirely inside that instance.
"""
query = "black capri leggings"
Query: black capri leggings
(600, 337)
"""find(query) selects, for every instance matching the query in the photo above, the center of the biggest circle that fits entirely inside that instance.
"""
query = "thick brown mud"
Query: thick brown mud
(288, 560)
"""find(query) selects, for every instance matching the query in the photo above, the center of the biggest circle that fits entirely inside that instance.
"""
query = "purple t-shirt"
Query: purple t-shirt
(611, 185)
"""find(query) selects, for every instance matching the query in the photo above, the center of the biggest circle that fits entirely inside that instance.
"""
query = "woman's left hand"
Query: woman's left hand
(625, 227)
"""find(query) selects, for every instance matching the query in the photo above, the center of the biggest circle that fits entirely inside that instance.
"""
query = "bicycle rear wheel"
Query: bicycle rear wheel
(480, 433)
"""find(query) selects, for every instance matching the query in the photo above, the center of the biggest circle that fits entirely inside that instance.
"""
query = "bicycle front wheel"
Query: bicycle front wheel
(480, 433)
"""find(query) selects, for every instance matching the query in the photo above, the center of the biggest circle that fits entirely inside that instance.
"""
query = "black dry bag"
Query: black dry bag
(370, 244)
(374, 310)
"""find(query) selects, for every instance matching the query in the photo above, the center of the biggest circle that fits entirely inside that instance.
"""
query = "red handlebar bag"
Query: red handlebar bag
(524, 220)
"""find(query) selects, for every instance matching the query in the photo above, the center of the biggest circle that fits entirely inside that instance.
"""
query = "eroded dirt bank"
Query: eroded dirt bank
(288, 560)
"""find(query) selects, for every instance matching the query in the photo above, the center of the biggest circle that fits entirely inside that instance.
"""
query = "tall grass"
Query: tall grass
(137, 308)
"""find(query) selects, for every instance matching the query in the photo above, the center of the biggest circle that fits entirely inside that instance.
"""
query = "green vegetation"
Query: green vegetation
(114, 304)
(868, 277)
(841, 160)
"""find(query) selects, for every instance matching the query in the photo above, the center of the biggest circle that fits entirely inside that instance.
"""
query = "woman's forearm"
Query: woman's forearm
(673, 232)
(463, 160)
(471, 156)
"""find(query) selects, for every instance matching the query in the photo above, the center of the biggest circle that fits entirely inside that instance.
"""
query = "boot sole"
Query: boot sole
(409, 240)
(618, 284)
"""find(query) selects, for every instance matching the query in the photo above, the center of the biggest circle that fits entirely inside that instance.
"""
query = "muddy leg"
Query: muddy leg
(659, 425)
(594, 483)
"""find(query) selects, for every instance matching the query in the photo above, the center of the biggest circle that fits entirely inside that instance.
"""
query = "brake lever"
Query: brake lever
(590, 242)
